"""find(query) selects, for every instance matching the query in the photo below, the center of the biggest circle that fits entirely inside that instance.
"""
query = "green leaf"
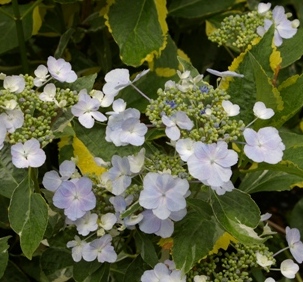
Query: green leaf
(8, 32)
(83, 269)
(86, 82)
(268, 180)
(28, 215)
(195, 235)
(146, 248)
(14, 273)
(4, 203)
(131, 210)
(187, 66)
(134, 270)
(292, 100)
(57, 264)
(288, 52)
(9, 174)
(64, 39)
(3, 254)
(139, 29)
(296, 216)
(238, 214)
(102, 274)
(197, 8)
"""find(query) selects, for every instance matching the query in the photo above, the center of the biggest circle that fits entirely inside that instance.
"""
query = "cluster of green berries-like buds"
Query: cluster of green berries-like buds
(203, 105)
(238, 30)
(232, 265)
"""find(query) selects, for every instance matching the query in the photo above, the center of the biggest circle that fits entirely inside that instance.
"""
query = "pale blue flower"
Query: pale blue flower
(52, 180)
(163, 194)
(263, 146)
(12, 119)
(100, 249)
(75, 197)
(87, 223)
(211, 163)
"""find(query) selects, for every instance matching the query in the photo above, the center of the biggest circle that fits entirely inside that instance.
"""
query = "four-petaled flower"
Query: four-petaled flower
(288, 268)
(294, 243)
(163, 194)
(14, 83)
(87, 110)
(61, 70)
(230, 108)
(75, 197)
(211, 163)
(28, 154)
(263, 146)
(262, 112)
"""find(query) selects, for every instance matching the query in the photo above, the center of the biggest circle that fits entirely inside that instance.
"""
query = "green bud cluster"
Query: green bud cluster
(238, 30)
(232, 266)
(160, 162)
(203, 105)
(38, 115)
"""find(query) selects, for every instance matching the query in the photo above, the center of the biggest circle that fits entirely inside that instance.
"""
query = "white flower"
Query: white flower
(61, 70)
(185, 148)
(133, 132)
(200, 278)
(87, 110)
(87, 223)
(118, 79)
(14, 83)
(294, 243)
(119, 106)
(211, 163)
(230, 108)
(283, 27)
(289, 268)
(12, 119)
(10, 104)
(265, 216)
(28, 154)
(269, 279)
(263, 8)
(136, 162)
(51, 179)
(107, 221)
(2, 135)
(174, 122)
(263, 260)
(263, 146)
(49, 93)
(262, 112)
(225, 73)
(41, 74)
(77, 246)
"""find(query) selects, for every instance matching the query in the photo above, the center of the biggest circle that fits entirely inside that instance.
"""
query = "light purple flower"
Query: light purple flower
(87, 110)
(294, 243)
(52, 180)
(162, 273)
(224, 187)
(77, 246)
(211, 163)
(119, 174)
(151, 224)
(174, 122)
(28, 154)
(2, 135)
(75, 197)
(101, 249)
(133, 132)
(61, 70)
(185, 148)
(263, 146)
(163, 194)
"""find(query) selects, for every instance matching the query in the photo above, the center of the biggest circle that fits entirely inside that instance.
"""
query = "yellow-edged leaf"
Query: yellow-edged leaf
(222, 243)
(37, 20)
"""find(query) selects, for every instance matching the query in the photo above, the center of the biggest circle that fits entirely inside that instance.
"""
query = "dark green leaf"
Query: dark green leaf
(84, 269)
(64, 39)
(3, 254)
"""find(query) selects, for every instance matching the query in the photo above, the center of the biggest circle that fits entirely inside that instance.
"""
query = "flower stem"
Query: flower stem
(140, 92)
(20, 36)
